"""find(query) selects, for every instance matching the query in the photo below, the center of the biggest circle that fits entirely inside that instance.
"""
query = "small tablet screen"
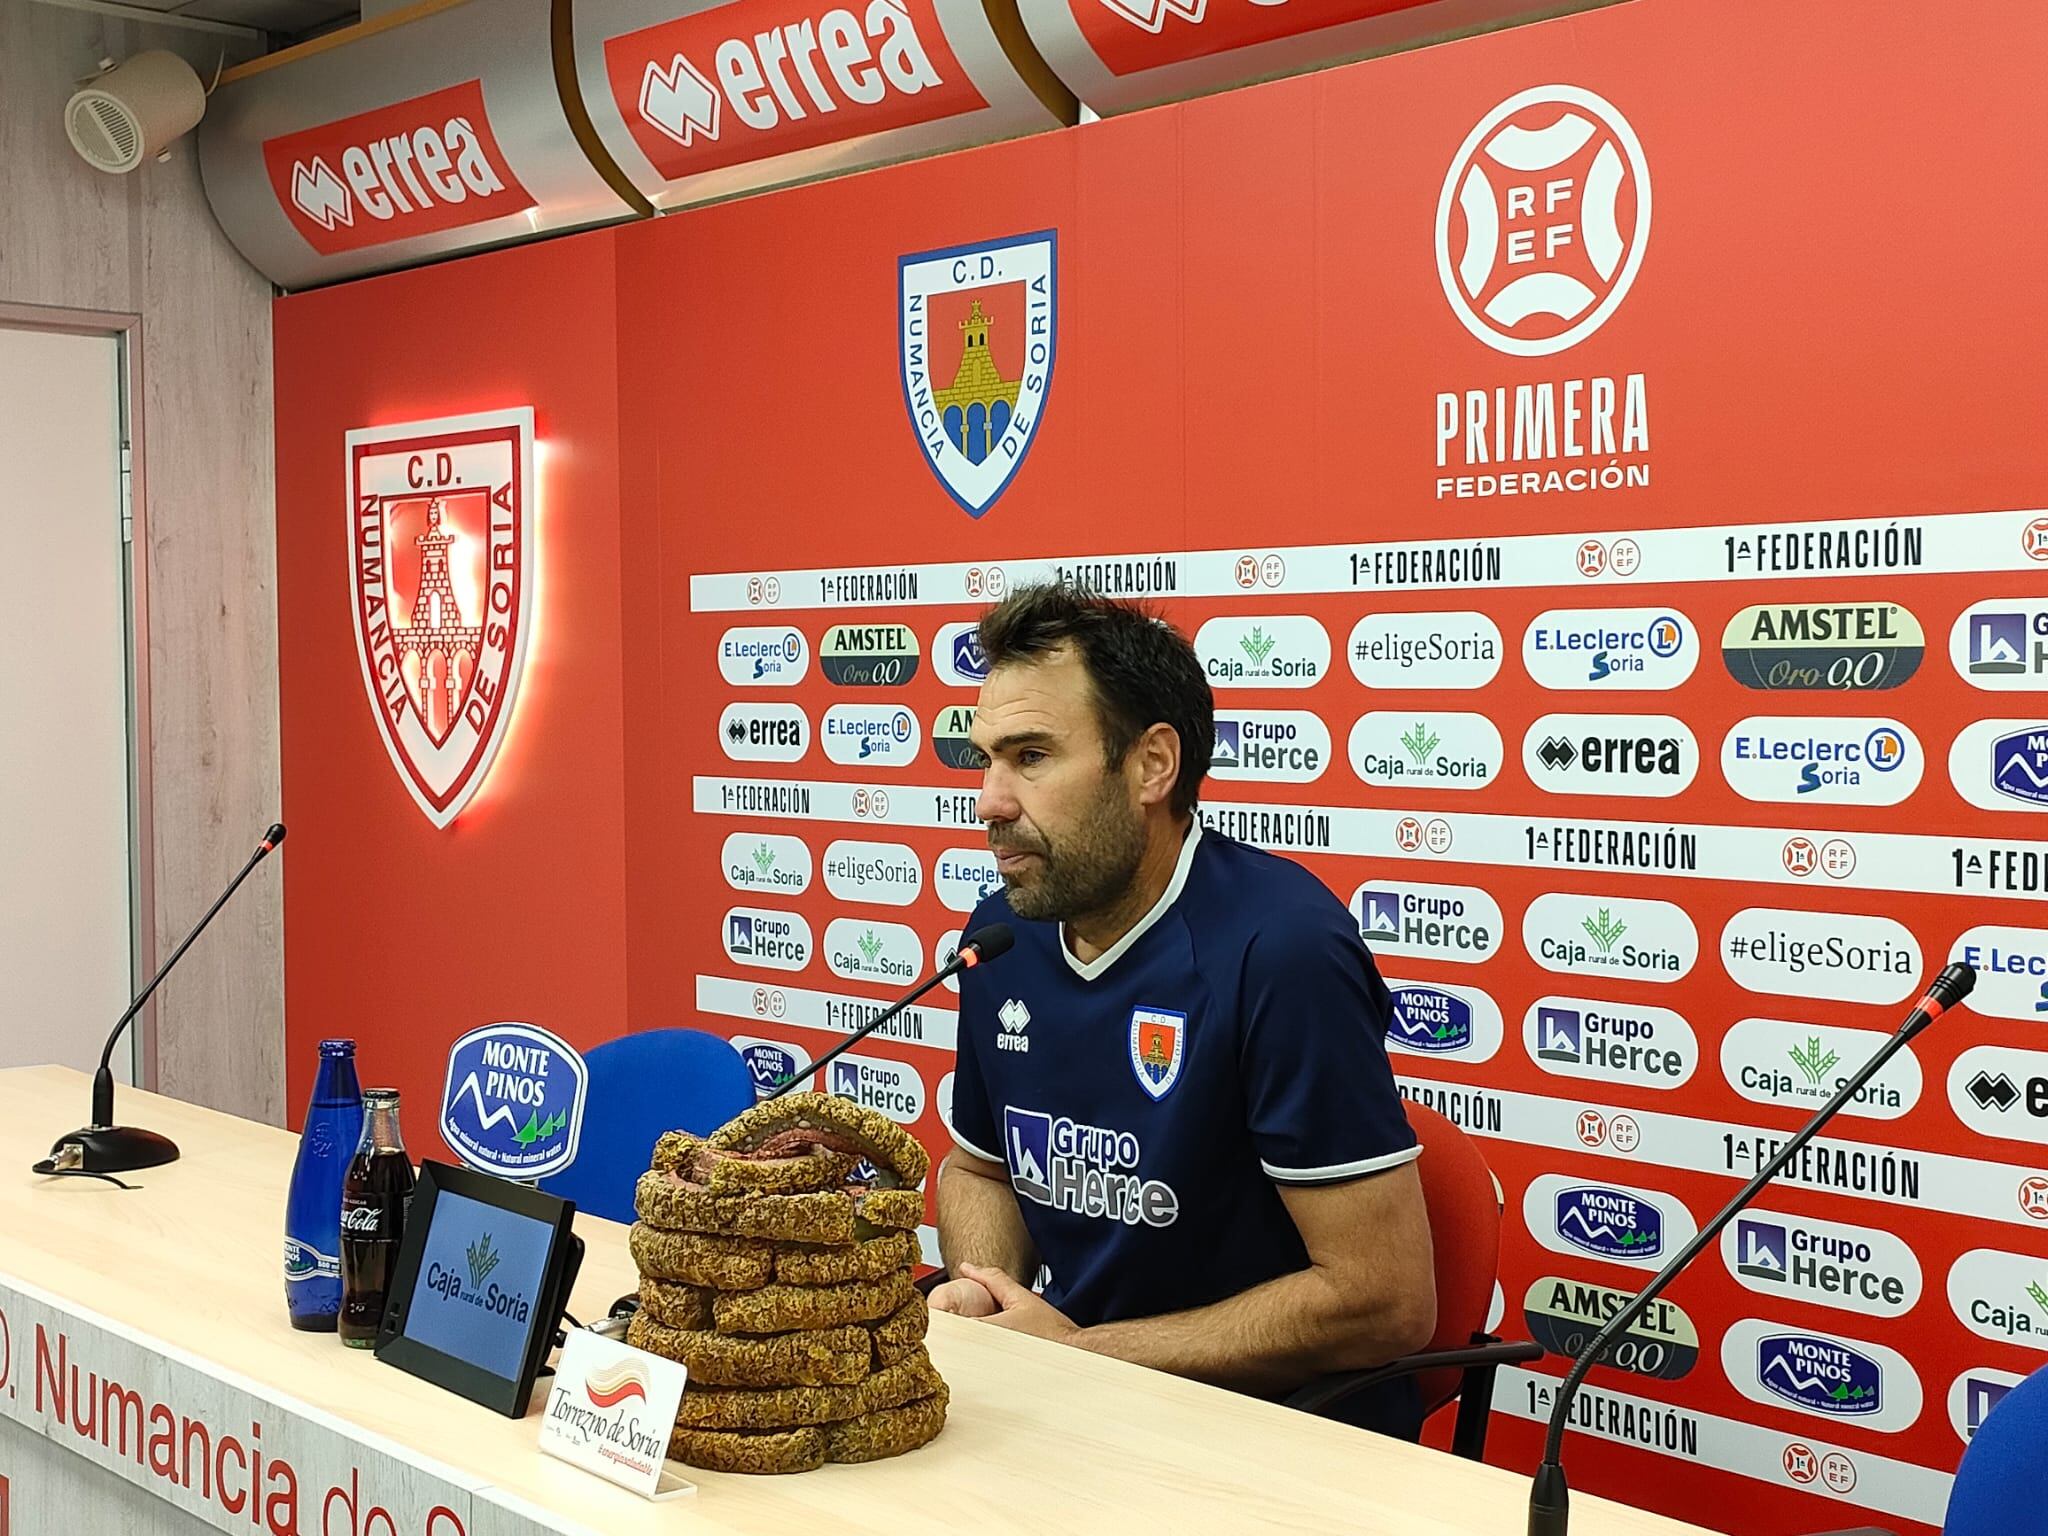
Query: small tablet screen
(479, 1287)
(480, 1283)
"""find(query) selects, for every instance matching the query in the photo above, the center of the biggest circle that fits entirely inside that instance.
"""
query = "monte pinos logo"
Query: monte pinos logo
(977, 331)
(440, 563)
(1543, 219)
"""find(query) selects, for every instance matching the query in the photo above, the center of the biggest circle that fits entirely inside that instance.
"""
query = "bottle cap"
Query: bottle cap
(337, 1047)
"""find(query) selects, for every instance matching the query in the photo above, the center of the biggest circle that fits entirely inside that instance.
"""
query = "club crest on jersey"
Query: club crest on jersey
(440, 562)
(1159, 1042)
(977, 325)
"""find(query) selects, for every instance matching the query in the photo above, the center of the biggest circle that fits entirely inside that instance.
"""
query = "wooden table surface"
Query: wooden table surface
(1041, 1437)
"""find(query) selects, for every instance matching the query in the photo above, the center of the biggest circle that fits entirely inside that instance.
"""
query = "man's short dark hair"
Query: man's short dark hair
(1145, 671)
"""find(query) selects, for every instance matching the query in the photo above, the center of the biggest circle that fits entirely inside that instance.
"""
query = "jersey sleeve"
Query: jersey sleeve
(974, 1121)
(1319, 1093)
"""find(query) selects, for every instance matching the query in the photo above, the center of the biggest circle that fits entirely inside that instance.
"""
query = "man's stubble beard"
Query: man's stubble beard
(1091, 867)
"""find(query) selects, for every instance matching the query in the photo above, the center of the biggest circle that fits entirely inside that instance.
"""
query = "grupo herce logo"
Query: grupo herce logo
(978, 326)
(1543, 220)
(1436, 922)
(1823, 1374)
(2002, 645)
(1827, 1263)
(1631, 1043)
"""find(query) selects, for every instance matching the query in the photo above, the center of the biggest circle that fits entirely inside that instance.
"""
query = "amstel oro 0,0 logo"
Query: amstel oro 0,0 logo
(869, 655)
(1813, 647)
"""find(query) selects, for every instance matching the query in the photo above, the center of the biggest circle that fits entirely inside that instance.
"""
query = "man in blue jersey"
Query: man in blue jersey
(1173, 1093)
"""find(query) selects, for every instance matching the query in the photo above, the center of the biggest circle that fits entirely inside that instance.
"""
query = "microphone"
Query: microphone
(1550, 1496)
(978, 948)
(104, 1148)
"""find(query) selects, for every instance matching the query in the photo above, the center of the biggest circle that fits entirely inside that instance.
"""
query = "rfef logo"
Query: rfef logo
(1543, 219)
(746, 81)
(440, 539)
(978, 327)
(413, 168)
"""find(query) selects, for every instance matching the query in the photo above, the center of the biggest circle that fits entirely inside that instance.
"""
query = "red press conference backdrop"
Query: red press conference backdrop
(1647, 651)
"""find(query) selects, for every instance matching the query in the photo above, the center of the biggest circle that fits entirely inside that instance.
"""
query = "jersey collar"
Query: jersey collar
(1091, 969)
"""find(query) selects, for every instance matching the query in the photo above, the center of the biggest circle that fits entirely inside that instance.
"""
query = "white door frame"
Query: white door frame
(126, 330)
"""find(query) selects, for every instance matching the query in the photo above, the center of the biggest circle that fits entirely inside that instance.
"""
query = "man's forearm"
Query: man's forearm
(979, 1223)
(1270, 1338)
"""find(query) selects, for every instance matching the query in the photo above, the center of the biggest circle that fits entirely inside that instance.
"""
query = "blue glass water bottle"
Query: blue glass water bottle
(312, 1213)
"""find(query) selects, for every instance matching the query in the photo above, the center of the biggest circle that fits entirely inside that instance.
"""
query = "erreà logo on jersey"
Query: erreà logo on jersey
(416, 167)
(755, 78)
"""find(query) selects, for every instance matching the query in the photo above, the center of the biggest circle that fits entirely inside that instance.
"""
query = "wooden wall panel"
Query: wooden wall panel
(147, 244)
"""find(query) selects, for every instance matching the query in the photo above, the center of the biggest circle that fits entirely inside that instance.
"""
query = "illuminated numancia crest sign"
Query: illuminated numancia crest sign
(440, 563)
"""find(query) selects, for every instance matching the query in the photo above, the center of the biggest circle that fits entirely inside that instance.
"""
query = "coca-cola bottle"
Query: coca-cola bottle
(312, 1213)
(375, 1197)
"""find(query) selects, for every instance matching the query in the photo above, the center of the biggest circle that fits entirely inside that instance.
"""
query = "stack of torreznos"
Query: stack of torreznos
(784, 1283)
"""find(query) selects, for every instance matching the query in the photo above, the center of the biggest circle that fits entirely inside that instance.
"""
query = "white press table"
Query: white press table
(166, 1305)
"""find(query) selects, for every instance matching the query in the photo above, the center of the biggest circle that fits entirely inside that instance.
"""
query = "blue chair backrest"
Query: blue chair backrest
(2005, 1467)
(641, 1085)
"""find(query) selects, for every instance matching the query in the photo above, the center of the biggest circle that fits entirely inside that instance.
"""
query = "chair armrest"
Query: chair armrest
(931, 1282)
(1325, 1392)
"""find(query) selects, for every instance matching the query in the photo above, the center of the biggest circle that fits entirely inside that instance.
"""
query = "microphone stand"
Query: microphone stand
(104, 1148)
(1550, 1495)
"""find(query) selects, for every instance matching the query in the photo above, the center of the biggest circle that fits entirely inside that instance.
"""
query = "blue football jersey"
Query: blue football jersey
(1148, 1103)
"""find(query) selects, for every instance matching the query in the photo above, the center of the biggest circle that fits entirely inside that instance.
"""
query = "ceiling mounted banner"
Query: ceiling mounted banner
(707, 100)
(398, 145)
(1122, 54)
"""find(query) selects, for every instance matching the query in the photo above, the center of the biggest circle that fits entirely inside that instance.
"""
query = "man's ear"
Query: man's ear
(1155, 763)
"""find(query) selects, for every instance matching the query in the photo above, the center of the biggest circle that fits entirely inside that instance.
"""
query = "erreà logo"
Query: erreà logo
(744, 81)
(1543, 219)
(440, 539)
(416, 167)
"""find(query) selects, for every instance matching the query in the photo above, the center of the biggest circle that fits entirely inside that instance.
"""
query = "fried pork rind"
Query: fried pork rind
(725, 1450)
(696, 1258)
(816, 1168)
(784, 1308)
(770, 1407)
(675, 1306)
(888, 1209)
(900, 1333)
(894, 1152)
(869, 1260)
(664, 1200)
(911, 1378)
(674, 1149)
(821, 1357)
(888, 1431)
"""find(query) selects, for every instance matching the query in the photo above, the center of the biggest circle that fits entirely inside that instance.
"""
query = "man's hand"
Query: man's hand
(1023, 1310)
(963, 1298)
